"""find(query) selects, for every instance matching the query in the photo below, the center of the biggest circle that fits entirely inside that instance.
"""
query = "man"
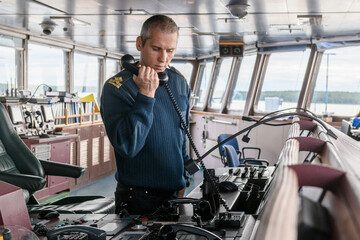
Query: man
(143, 126)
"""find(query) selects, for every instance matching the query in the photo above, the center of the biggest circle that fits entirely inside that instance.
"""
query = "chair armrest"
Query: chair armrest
(61, 169)
(256, 161)
(28, 182)
(251, 148)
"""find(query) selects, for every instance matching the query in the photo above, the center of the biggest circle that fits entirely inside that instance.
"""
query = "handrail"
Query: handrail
(67, 116)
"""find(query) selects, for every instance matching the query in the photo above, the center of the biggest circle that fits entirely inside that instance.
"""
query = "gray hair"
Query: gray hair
(161, 22)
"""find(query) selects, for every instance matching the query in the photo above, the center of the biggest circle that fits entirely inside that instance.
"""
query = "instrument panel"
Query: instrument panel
(31, 119)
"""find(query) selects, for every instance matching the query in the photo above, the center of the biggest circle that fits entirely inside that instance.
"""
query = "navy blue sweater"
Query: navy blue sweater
(146, 133)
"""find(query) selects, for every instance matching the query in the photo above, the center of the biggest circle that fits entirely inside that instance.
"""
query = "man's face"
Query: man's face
(158, 50)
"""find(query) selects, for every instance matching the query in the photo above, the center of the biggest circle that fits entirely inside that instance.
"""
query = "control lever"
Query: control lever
(128, 62)
(243, 175)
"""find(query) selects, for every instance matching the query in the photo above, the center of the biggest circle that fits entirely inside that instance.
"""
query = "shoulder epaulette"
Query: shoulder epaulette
(116, 81)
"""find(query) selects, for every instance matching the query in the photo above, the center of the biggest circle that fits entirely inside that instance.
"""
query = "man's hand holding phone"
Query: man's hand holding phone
(147, 81)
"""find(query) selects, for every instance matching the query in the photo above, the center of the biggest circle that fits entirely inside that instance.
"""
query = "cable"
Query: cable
(246, 139)
(188, 134)
(200, 158)
(49, 89)
(328, 131)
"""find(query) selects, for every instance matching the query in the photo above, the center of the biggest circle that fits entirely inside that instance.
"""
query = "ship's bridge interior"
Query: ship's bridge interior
(280, 77)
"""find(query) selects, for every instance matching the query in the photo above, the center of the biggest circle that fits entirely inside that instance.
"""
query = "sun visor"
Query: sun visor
(321, 46)
(289, 48)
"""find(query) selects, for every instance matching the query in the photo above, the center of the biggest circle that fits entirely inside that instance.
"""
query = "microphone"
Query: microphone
(246, 137)
(192, 166)
(32, 96)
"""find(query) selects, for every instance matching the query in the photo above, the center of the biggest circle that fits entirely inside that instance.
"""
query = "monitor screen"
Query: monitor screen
(16, 114)
(48, 113)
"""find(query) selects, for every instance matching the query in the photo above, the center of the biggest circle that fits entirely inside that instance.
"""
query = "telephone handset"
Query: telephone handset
(128, 62)
(73, 231)
(201, 207)
(39, 114)
(30, 122)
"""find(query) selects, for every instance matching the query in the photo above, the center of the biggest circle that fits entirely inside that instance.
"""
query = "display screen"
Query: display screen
(16, 114)
(47, 112)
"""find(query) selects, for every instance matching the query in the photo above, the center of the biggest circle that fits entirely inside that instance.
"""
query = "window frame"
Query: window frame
(200, 72)
(263, 66)
(213, 82)
(318, 58)
(236, 72)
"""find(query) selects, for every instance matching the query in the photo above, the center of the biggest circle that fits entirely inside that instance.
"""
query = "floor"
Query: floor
(106, 186)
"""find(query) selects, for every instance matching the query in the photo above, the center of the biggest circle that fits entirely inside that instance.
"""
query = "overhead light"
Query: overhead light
(48, 26)
(69, 20)
(238, 8)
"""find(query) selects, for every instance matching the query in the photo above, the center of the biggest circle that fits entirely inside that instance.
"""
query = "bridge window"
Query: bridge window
(112, 68)
(240, 92)
(86, 74)
(8, 74)
(205, 77)
(46, 65)
(185, 68)
(283, 81)
(221, 82)
(10, 63)
(337, 90)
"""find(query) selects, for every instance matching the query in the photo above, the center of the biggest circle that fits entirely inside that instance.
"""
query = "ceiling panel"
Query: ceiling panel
(114, 24)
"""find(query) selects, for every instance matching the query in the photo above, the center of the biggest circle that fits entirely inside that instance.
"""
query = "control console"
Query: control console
(31, 119)
(252, 182)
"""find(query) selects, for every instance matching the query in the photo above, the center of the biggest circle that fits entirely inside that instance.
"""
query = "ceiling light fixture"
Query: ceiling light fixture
(48, 26)
(238, 8)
